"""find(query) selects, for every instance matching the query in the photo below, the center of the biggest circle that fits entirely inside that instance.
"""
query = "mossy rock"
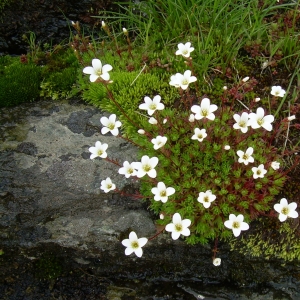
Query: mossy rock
(19, 82)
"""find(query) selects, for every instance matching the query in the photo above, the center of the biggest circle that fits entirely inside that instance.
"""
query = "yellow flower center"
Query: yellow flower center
(260, 122)
(100, 152)
(242, 124)
(109, 186)
(152, 106)
(134, 245)
(99, 72)
(130, 171)
(163, 194)
(178, 227)
(285, 211)
(206, 199)
(245, 156)
(258, 172)
(204, 112)
(200, 136)
(185, 52)
(111, 126)
(185, 81)
(236, 225)
(147, 168)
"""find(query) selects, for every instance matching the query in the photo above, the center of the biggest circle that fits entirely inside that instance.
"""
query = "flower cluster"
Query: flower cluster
(207, 168)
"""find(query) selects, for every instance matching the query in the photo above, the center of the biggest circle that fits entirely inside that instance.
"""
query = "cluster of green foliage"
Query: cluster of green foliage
(19, 82)
(3, 4)
(281, 240)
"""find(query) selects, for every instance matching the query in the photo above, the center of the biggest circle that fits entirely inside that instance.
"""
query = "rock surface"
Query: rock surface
(57, 224)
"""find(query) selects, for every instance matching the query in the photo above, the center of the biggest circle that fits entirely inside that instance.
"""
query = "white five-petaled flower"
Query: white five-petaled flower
(133, 244)
(275, 165)
(98, 150)
(277, 91)
(183, 81)
(259, 172)
(159, 142)
(152, 105)
(110, 125)
(236, 224)
(178, 226)
(161, 192)
(146, 166)
(242, 122)
(206, 198)
(286, 210)
(217, 261)
(97, 70)
(205, 110)
(107, 185)
(184, 49)
(245, 157)
(127, 170)
(199, 135)
(259, 119)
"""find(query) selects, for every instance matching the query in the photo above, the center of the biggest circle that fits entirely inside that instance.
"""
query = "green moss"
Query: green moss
(19, 83)
(48, 267)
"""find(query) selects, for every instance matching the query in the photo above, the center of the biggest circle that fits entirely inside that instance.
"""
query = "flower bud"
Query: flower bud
(226, 147)
(161, 216)
(165, 121)
(141, 131)
(291, 118)
(257, 99)
(103, 24)
(192, 118)
(152, 121)
(245, 79)
(224, 87)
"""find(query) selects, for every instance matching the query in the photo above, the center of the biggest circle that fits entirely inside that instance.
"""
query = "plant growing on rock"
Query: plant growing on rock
(206, 168)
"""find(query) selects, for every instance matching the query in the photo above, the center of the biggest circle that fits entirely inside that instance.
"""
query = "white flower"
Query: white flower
(217, 261)
(127, 170)
(184, 50)
(152, 105)
(98, 150)
(260, 120)
(286, 210)
(226, 147)
(206, 198)
(134, 244)
(146, 166)
(199, 135)
(178, 226)
(245, 79)
(275, 165)
(236, 224)
(291, 118)
(97, 70)
(183, 81)
(110, 125)
(159, 142)
(192, 118)
(242, 122)
(259, 172)
(161, 192)
(152, 121)
(107, 185)
(277, 91)
(141, 131)
(245, 157)
(205, 110)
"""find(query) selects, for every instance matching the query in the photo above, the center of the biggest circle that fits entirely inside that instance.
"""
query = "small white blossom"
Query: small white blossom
(165, 121)
(277, 91)
(245, 79)
(206, 198)
(242, 122)
(260, 120)
(226, 147)
(110, 125)
(179, 226)
(192, 118)
(97, 70)
(152, 121)
(217, 261)
(161, 216)
(127, 170)
(141, 131)
(184, 50)
(236, 224)
(275, 165)
(103, 24)
(133, 244)
(146, 166)
(152, 105)
(161, 192)
(159, 142)
(225, 88)
(259, 172)
(107, 185)
(286, 210)
(257, 99)
(98, 150)
(205, 110)
(199, 135)
(183, 81)
(124, 30)
(245, 157)
(291, 118)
